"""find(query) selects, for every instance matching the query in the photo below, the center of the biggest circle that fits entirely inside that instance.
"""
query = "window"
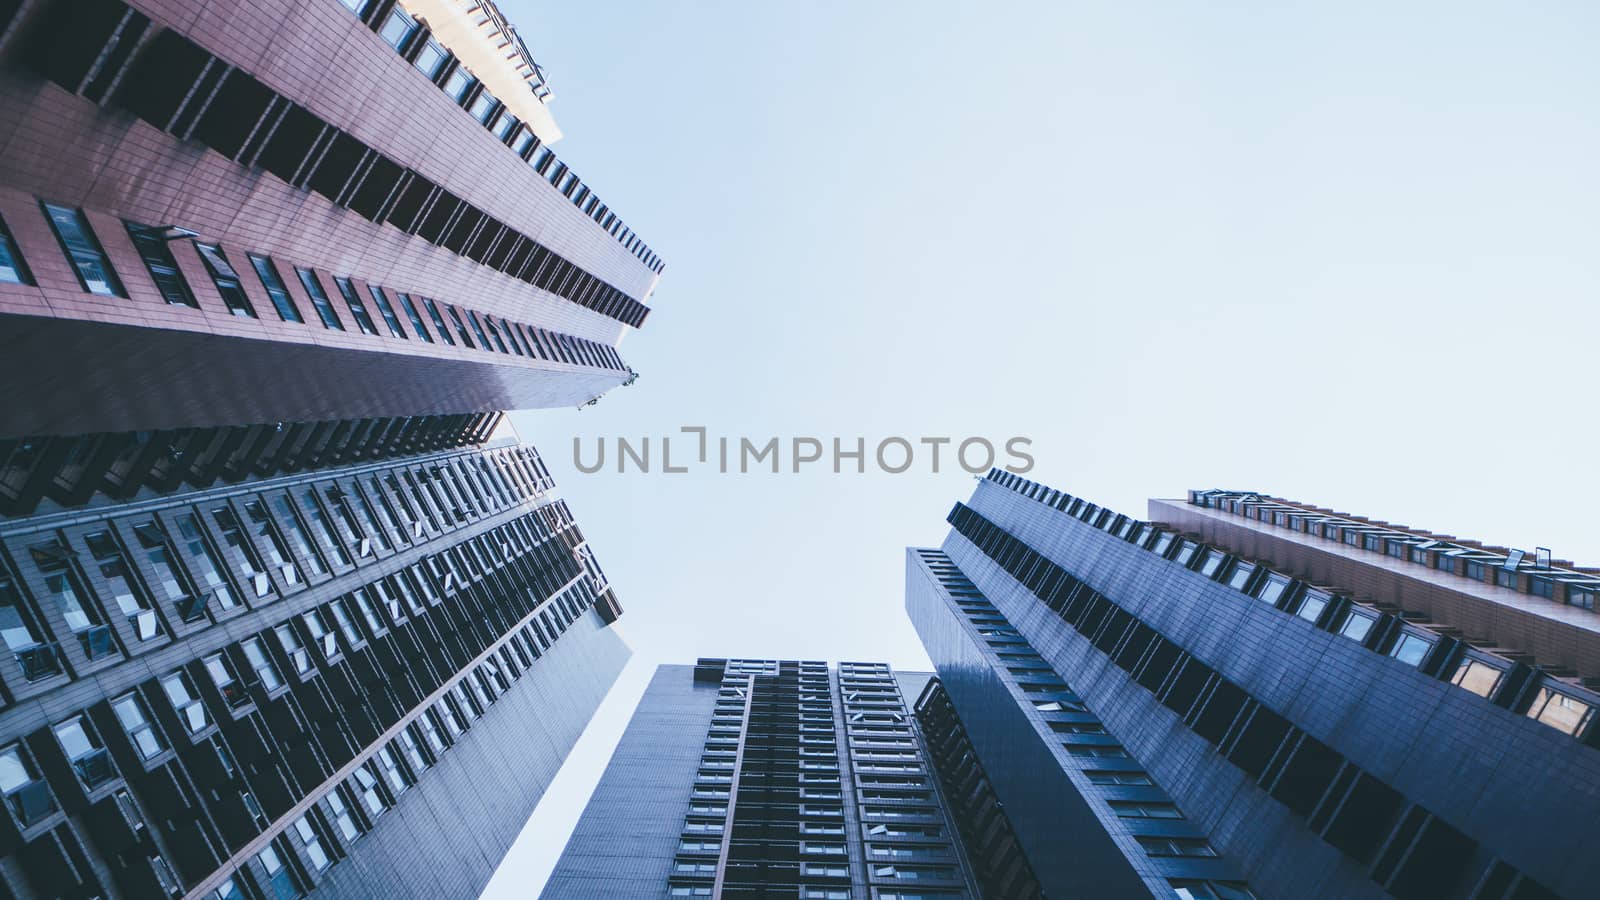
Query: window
(268, 273)
(1477, 677)
(84, 751)
(366, 788)
(1144, 809)
(83, 249)
(181, 694)
(397, 29)
(1312, 605)
(431, 58)
(1559, 711)
(205, 565)
(136, 723)
(226, 280)
(292, 648)
(256, 653)
(1108, 777)
(389, 318)
(1090, 751)
(1410, 649)
(154, 542)
(311, 843)
(1160, 846)
(16, 624)
(459, 83)
(339, 815)
(1582, 598)
(346, 625)
(62, 584)
(438, 321)
(461, 328)
(163, 268)
(484, 106)
(319, 299)
(416, 320)
(1356, 626)
(508, 124)
(12, 269)
(297, 533)
(277, 550)
(1211, 890)
(125, 593)
(220, 668)
(353, 300)
(239, 548)
(280, 881)
(25, 792)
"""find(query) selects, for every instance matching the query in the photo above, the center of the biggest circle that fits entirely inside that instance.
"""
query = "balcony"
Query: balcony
(94, 768)
(31, 802)
(40, 661)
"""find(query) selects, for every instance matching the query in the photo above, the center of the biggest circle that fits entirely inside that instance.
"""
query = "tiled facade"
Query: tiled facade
(1325, 741)
(300, 684)
(766, 779)
(265, 212)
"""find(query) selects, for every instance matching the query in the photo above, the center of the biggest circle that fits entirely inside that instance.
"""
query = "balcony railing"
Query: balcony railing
(94, 768)
(40, 661)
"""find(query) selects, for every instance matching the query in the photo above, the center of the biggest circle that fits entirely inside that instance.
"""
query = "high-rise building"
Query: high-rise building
(1251, 696)
(249, 235)
(765, 779)
(283, 612)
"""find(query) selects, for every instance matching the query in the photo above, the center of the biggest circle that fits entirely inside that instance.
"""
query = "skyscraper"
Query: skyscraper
(765, 779)
(1267, 696)
(233, 229)
(285, 608)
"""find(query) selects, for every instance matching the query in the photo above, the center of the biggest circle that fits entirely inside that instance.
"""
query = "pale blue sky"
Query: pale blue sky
(1344, 253)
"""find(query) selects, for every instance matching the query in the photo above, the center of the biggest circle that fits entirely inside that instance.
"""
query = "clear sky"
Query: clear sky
(1343, 253)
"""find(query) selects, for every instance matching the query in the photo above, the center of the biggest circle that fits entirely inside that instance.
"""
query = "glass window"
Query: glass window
(85, 752)
(297, 533)
(154, 543)
(431, 58)
(221, 671)
(339, 815)
(204, 564)
(61, 583)
(416, 320)
(461, 328)
(357, 309)
(1478, 677)
(389, 318)
(267, 672)
(244, 555)
(292, 648)
(365, 783)
(25, 792)
(136, 722)
(1410, 649)
(1581, 597)
(267, 271)
(1109, 777)
(389, 764)
(12, 268)
(1312, 605)
(280, 881)
(459, 83)
(226, 280)
(163, 268)
(321, 631)
(397, 29)
(319, 299)
(277, 550)
(438, 321)
(507, 124)
(124, 590)
(1559, 711)
(1356, 626)
(1144, 809)
(84, 251)
(311, 843)
(184, 699)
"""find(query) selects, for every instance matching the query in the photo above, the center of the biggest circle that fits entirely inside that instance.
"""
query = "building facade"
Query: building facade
(767, 779)
(229, 224)
(284, 612)
(1267, 697)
